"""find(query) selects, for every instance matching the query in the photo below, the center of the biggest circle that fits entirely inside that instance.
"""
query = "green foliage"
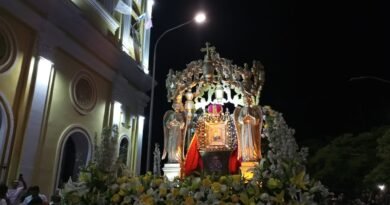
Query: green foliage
(348, 159)
(283, 167)
(105, 154)
(380, 174)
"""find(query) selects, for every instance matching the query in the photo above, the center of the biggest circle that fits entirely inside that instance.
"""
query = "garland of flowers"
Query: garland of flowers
(280, 178)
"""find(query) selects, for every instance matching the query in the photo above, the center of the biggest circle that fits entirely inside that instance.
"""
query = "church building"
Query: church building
(69, 69)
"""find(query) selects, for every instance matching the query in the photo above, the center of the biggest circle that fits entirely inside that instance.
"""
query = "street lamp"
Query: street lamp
(199, 18)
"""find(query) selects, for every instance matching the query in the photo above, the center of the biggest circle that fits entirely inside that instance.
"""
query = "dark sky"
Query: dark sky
(310, 50)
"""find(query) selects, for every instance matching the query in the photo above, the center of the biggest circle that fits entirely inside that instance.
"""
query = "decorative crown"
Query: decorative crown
(240, 85)
(214, 109)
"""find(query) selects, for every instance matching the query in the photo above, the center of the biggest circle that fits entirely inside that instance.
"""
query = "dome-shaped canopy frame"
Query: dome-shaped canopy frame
(216, 80)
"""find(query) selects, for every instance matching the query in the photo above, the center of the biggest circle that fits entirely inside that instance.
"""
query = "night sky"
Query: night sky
(310, 50)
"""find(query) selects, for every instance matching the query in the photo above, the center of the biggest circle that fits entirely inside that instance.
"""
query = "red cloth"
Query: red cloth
(234, 164)
(194, 160)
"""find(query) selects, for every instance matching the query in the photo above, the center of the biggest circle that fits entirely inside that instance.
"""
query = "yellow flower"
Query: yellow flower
(223, 179)
(189, 201)
(85, 176)
(299, 180)
(236, 178)
(156, 182)
(235, 198)
(139, 189)
(121, 180)
(175, 192)
(274, 183)
(206, 182)
(162, 191)
(279, 198)
(216, 187)
(122, 192)
(116, 198)
(146, 199)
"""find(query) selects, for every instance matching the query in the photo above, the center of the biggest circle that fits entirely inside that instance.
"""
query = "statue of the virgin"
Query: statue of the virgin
(174, 124)
(248, 121)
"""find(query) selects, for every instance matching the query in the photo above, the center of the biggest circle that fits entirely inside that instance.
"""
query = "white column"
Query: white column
(146, 40)
(140, 129)
(126, 28)
(31, 142)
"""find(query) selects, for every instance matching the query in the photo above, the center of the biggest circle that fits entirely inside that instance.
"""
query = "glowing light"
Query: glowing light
(382, 187)
(45, 64)
(247, 170)
(117, 113)
(219, 93)
(200, 17)
(44, 71)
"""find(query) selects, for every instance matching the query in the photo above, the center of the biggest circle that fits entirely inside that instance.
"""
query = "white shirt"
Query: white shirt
(14, 194)
(3, 202)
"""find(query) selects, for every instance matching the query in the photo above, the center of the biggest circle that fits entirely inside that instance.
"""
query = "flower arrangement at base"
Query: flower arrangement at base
(280, 178)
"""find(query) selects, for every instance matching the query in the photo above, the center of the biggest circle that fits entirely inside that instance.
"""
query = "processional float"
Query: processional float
(199, 134)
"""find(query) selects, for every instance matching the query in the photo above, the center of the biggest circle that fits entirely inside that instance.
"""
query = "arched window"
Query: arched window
(3, 131)
(75, 154)
(123, 149)
(1, 118)
(6, 134)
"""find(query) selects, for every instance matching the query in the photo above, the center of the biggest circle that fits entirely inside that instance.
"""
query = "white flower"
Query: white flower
(199, 195)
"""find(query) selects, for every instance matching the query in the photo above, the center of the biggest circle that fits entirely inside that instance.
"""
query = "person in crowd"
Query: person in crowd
(35, 193)
(36, 200)
(25, 194)
(17, 188)
(3, 194)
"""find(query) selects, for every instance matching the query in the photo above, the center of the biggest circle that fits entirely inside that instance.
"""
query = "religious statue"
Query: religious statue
(174, 128)
(248, 121)
(170, 84)
(214, 143)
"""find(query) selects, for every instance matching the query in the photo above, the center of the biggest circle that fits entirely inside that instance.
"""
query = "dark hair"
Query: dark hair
(35, 188)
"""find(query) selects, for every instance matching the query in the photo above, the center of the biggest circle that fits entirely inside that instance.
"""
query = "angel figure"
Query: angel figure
(248, 121)
(174, 124)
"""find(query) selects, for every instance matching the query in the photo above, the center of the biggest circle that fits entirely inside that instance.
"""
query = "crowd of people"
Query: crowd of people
(19, 194)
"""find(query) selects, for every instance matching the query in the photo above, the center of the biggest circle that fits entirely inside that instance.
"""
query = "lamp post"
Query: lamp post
(370, 77)
(199, 18)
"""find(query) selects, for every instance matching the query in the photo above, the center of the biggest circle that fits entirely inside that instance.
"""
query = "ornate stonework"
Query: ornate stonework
(216, 80)
(7, 46)
(83, 93)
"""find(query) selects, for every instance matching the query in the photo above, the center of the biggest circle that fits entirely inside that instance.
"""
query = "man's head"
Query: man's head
(34, 190)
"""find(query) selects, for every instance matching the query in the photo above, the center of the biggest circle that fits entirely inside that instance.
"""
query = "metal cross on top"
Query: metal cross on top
(208, 49)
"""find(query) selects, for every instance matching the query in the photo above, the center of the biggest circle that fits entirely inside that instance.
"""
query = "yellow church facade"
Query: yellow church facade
(68, 69)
